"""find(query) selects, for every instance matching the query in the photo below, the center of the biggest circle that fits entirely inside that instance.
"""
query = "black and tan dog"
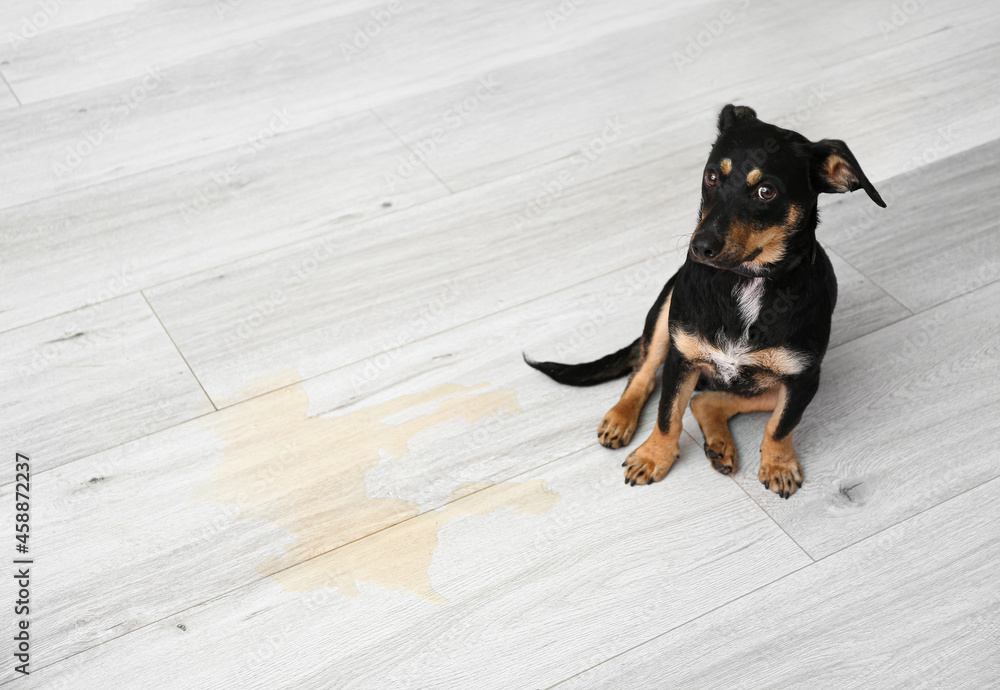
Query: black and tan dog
(748, 314)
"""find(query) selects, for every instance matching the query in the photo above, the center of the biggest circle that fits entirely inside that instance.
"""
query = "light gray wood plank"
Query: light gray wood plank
(635, 73)
(558, 569)
(866, 98)
(938, 237)
(110, 46)
(862, 306)
(872, 30)
(29, 19)
(165, 115)
(888, 433)
(82, 247)
(84, 381)
(915, 606)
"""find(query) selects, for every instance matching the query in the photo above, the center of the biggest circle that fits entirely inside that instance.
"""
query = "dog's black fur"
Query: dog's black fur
(747, 315)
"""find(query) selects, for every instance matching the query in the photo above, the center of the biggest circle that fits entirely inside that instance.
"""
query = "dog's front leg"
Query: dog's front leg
(780, 470)
(651, 461)
(619, 423)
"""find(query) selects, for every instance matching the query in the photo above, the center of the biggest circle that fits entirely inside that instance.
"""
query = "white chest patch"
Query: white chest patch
(729, 358)
(749, 298)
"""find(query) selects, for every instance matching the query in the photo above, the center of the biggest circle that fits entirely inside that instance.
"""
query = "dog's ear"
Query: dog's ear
(836, 170)
(732, 115)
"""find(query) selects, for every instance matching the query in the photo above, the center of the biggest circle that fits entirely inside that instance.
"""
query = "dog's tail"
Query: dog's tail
(609, 367)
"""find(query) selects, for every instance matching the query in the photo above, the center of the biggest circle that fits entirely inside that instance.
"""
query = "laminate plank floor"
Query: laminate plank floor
(263, 309)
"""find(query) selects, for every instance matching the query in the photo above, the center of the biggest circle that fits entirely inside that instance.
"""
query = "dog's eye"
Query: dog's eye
(711, 179)
(765, 193)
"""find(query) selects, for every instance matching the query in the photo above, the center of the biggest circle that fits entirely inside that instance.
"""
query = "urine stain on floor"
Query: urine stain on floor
(306, 475)
(400, 557)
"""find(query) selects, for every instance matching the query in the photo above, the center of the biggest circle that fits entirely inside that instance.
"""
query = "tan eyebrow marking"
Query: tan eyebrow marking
(753, 177)
(726, 165)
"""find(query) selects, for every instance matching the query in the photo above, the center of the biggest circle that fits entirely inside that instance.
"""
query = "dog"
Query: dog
(747, 317)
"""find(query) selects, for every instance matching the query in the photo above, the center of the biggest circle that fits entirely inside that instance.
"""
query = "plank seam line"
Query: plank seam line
(11, 89)
(181, 354)
(874, 282)
(423, 159)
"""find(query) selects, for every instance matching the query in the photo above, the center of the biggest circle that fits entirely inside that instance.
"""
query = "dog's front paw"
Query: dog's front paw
(617, 427)
(646, 465)
(780, 471)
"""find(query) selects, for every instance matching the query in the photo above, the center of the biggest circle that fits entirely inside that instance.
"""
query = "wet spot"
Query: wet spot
(306, 475)
(400, 557)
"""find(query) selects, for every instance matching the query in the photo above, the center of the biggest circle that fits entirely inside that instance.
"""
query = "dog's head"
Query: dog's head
(759, 191)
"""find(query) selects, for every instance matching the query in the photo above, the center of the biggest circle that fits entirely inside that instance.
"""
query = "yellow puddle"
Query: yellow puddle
(306, 475)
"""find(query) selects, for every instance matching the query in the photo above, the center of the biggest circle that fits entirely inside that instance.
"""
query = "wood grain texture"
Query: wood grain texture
(893, 428)
(915, 606)
(29, 19)
(605, 566)
(87, 380)
(938, 237)
(111, 45)
(164, 115)
(866, 98)
(275, 187)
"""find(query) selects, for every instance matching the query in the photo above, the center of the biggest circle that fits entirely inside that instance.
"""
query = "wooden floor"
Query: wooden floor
(268, 271)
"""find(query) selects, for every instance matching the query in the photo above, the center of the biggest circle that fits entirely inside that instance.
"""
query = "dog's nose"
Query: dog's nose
(706, 246)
